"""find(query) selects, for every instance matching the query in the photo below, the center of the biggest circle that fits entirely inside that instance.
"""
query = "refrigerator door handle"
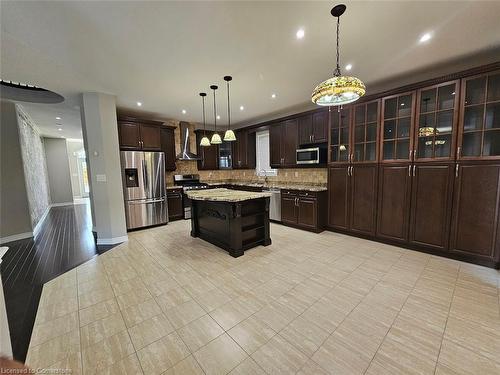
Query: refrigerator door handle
(147, 201)
(145, 175)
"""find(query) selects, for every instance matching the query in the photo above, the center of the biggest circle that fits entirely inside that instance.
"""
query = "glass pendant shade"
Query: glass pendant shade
(216, 140)
(338, 90)
(229, 136)
(205, 142)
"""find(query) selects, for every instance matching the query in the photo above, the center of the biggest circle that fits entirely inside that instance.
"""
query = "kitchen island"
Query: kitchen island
(233, 220)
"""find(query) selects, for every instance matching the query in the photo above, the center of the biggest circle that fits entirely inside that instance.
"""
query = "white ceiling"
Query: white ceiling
(164, 53)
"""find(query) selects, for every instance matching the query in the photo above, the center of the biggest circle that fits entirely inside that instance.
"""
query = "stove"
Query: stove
(188, 182)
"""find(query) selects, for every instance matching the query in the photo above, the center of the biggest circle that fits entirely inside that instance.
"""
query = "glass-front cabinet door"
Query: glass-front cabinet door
(365, 129)
(436, 122)
(340, 134)
(397, 124)
(479, 136)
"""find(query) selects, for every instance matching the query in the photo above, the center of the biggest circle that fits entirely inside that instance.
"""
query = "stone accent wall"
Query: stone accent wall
(35, 168)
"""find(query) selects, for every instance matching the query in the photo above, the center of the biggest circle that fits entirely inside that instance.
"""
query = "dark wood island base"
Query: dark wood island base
(233, 226)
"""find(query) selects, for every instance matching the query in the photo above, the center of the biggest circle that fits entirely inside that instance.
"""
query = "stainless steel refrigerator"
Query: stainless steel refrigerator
(144, 188)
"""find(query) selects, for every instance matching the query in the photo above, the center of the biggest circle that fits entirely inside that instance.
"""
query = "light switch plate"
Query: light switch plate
(101, 177)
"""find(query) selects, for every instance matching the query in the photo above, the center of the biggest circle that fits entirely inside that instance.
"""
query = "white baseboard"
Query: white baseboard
(112, 241)
(16, 237)
(61, 204)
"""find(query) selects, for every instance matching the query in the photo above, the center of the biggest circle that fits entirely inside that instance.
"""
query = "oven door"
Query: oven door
(308, 156)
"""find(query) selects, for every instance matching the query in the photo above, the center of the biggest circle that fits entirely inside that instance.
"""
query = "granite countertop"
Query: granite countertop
(224, 195)
(276, 185)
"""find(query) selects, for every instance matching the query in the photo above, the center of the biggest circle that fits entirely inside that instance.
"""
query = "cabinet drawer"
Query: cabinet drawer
(293, 193)
(308, 194)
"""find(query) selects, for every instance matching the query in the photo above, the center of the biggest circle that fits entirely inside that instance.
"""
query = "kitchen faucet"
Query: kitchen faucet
(265, 175)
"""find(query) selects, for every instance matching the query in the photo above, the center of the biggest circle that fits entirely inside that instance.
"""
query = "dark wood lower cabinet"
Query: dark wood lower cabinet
(431, 201)
(352, 198)
(288, 208)
(433, 207)
(174, 202)
(363, 198)
(393, 202)
(303, 209)
(338, 199)
(475, 222)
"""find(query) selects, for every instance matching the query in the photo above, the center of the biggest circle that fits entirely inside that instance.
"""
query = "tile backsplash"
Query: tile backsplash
(293, 175)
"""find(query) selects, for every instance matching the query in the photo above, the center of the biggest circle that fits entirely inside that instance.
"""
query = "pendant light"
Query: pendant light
(339, 89)
(204, 141)
(229, 134)
(216, 140)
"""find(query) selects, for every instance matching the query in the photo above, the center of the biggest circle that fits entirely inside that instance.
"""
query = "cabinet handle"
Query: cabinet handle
(312, 136)
(348, 170)
(352, 171)
(456, 170)
(409, 170)
(414, 169)
(459, 149)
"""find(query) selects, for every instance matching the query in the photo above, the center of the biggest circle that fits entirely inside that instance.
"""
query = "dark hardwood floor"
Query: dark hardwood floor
(64, 241)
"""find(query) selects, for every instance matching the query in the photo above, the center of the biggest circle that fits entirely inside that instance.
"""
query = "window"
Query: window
(263, 167)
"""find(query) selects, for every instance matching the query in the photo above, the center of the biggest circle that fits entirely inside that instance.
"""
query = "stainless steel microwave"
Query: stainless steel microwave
(313, 155)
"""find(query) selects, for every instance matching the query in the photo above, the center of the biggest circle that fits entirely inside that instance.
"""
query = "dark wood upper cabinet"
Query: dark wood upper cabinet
(209, 155)
(340, 135)
(396, 141)
(167, 139)
(289, 142)
(431, 202)
(363, 198)
(436, 122)
(283, 144)
(364, 131)
(393, 209)
(305, 129)
(313, 128)
(275, 145)
(129, 135)
(150, 137)
(338, 197)
(475, 221)
(147, 135)
(243, 151)
(320, 126)
(479, 126)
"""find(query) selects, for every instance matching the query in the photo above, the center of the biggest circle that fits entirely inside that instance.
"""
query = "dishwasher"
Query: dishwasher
(274, 204)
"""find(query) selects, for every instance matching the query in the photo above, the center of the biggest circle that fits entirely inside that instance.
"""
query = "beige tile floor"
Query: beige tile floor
(166, 303)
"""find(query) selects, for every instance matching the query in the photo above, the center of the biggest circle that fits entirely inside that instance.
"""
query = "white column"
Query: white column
(100, 136)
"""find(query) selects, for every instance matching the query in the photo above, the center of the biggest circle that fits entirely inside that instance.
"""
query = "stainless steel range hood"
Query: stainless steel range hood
(186, 153)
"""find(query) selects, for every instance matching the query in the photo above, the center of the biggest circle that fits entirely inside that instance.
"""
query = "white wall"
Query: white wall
(59, 176)
(100, 135)
(15, 219)
(74, 146)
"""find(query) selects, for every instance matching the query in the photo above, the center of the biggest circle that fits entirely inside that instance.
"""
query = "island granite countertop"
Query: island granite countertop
(225, 195)
(270, 185)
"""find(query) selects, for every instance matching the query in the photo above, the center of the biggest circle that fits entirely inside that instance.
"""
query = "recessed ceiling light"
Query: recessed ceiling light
(184, 111)
(139, 104)
(273, 96)
(59, 129)
(241, 108)
(348, 67)
(218, 117)
(300, 33)
(58, 118)
(425, 37)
